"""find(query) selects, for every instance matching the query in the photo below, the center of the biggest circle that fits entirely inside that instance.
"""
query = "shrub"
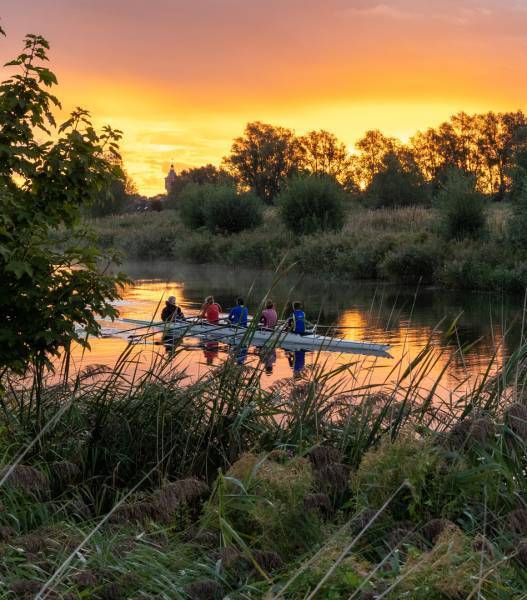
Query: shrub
(230, 212)
(219, 208)
(461, 207)
(312, 203)
(411, 263)
(383, 470)
(192, 205)
(264, 499)
(517, 226)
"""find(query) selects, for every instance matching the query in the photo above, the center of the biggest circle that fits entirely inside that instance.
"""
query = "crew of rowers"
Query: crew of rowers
(239, 314)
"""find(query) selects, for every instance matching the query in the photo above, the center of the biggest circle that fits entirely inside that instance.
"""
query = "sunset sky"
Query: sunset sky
(182, 77)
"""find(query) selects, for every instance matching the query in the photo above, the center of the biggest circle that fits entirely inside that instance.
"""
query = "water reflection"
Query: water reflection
(488, 325)
(297, 362)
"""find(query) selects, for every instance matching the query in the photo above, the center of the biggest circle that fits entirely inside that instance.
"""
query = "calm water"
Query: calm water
(404, 317)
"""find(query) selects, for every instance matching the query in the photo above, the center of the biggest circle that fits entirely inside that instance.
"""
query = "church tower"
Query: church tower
(170, 179)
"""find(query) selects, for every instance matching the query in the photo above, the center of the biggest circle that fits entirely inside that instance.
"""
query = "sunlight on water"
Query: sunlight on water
(404, 318)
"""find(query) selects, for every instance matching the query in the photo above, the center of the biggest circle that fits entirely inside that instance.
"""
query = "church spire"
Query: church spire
(170, 179)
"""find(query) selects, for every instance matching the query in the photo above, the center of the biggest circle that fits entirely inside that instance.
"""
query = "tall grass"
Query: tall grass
(144, 485)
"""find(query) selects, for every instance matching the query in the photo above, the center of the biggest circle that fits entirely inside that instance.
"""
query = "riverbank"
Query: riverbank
(151, 487)
(397, 245)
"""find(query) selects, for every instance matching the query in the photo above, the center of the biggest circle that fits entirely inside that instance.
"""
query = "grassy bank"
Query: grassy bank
(400, 245)
(141, 487)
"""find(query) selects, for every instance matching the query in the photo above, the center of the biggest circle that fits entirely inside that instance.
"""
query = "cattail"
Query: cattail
(6, 533)
(317, 503)
(269, 561)
(64, 473)
(87, 579)
(321, 456)
(35, 542)
(26, 480)
(516, 521)
(522, 552)
(333, 480)
(479, 431)
(172, 496)
(483, 430)
(25, 588)
(205, 590)
(136, 512)
(434, 528)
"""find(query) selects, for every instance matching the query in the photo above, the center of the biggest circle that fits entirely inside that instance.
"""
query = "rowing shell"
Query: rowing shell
(260, 337)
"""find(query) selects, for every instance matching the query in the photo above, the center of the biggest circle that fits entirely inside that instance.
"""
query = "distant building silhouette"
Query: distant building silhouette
(170, 179)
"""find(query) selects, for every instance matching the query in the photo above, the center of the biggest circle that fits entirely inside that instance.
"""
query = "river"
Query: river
(488, 325)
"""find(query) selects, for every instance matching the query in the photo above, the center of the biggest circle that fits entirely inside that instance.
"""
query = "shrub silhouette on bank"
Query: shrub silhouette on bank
(461, 207)
(219, 208)
(312, 203)
(517, 226)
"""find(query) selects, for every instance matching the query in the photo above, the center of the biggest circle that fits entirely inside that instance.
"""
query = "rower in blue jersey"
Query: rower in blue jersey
(238, 315)
(297, 321)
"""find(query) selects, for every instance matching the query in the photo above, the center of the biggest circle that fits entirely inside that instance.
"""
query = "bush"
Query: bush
(383, 470)
(313, 203)
(219, 208)
(230, 212)
(397, 185)
(411, 263)
(517, 226)
(461, 207)
(192, 205)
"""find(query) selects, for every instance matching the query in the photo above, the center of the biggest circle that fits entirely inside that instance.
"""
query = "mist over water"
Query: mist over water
(488, 327)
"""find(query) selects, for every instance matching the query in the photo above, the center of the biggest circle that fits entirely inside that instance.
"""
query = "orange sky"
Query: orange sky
(182, 77)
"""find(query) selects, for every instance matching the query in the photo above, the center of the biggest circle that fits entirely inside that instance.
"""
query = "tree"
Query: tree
(116, 197)
(47, 175)
(312, 203)
(517, 172)
(264, 157)
(399, 182)
(323, 154)
(499, 136)
(208, 174)
(373, 148)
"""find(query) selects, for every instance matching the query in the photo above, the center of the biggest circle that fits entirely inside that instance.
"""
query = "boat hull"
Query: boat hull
(260, 337)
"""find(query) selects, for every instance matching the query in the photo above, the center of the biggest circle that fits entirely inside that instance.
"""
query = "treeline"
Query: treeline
(490, 149)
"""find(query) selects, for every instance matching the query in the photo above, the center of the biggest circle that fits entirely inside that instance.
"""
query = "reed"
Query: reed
(143, 485)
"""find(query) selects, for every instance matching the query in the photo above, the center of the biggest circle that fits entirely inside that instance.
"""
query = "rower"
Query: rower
(297, 321)
(171, 311)
(269, 317)
(210, 311)
(239, 314)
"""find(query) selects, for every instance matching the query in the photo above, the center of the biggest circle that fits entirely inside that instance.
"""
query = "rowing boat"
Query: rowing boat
(259, 337)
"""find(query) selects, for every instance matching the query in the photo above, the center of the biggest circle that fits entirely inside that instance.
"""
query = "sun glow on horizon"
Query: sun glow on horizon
(343, 66)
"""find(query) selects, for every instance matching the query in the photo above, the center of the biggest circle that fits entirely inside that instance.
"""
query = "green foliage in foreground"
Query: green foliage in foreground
(143, 486)
(312, 204)
(219, 208)
(47, 174)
